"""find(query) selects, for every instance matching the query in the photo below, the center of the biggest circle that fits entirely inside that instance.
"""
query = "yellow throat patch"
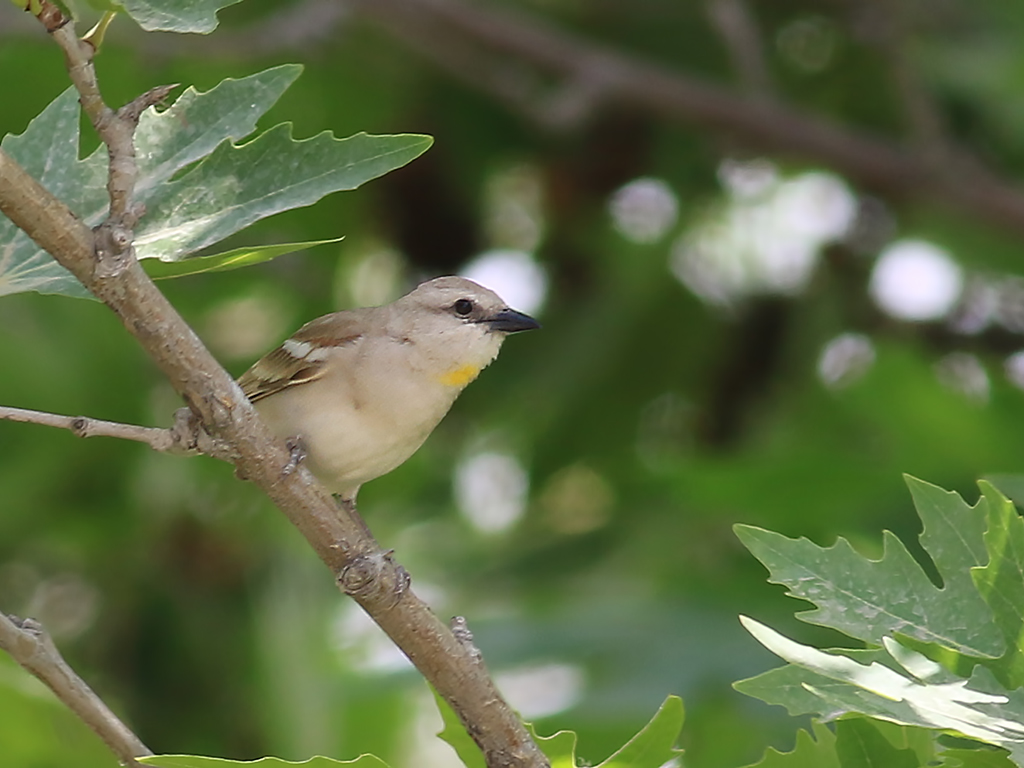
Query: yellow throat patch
(460, 377)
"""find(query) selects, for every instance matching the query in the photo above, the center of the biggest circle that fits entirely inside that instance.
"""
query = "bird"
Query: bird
(359, 391)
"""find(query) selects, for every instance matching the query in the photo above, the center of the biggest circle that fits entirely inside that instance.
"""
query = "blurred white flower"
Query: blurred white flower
(513, 275)
(644, 210)
(491, 490)
(915, 280)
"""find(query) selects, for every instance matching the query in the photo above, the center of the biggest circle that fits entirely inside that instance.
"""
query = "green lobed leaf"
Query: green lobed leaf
(651, 747)
(1001, 581)
(655, 743)
(953, 536)
(240, 184)
(859, 744)
(165, 143)
(198, 121)
(923, 742)
(792, 686)
(198, 761)
(48, 150)
(984, 544)
(225, 187)
(222, 262)
(560, 747)
(1006, 707)
(454, 734)
(175, 15)
(975, 758)
(915, 691)
(1011, 486)
(817, 751)
(872, 599)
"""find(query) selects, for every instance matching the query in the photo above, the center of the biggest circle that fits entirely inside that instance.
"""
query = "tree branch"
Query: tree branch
(31, 646)
(738, 29)
(880, 166)
(186, 437)
(888, 28)
(362, 568)
(82, 426)
(494, 49)
(114, 237)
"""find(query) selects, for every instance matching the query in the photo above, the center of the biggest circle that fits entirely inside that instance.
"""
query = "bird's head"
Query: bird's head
(463, 323)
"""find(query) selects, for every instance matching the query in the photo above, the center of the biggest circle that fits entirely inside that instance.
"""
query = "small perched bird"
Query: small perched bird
(362, 389)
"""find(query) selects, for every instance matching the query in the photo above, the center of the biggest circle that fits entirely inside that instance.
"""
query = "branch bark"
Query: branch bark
(889, 28)
(510, 38)
(30, 645)
(361, 567)
(738, 29)
(185, 437)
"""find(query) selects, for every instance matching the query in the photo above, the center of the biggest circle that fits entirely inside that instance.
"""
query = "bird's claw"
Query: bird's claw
(296, 454)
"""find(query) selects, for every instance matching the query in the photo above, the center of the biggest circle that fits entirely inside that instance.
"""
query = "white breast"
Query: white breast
(365, 417)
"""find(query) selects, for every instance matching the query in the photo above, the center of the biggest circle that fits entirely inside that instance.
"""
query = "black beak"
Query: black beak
(510, 321)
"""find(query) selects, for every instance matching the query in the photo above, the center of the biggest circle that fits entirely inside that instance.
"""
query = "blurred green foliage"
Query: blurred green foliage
(194, 609)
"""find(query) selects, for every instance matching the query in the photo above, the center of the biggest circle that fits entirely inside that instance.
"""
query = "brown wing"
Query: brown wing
(282, 368)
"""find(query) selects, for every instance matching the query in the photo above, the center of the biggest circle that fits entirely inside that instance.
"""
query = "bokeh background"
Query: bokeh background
(775, 246)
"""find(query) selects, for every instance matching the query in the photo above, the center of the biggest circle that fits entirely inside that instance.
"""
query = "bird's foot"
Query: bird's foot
(296, 454)
(347, 509)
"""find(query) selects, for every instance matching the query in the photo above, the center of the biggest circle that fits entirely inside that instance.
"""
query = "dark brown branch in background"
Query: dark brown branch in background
(362, 568)
(887, 25)
(510, 56)
(738, 29)
(513, 39)
(29, 644)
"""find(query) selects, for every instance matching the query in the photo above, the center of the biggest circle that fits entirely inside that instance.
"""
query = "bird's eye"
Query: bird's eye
(463, 307)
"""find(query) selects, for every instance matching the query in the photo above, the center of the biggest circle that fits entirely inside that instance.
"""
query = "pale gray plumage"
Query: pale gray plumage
(363, 388)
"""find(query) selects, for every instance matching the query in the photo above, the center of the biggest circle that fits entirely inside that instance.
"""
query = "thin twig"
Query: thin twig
(83, 426)
(184, 438)
(116, 128)
(31, 646)
(116, 136)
